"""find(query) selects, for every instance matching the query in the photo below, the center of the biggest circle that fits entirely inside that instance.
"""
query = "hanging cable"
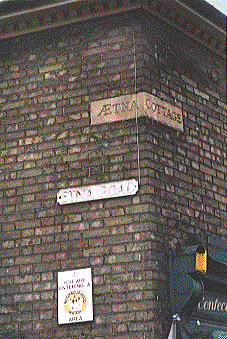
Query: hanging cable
(135, 92)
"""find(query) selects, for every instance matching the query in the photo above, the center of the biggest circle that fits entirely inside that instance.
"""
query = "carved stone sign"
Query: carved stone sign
(75, 296)
(144, 104)
(96, 192)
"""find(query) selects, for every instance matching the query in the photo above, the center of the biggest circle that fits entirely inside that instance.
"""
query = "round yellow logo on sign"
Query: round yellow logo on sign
(75, 302)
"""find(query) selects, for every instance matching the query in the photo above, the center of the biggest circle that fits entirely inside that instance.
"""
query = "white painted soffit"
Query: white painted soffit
(174, 12)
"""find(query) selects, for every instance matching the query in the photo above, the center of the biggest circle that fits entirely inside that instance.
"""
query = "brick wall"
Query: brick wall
(48, 80)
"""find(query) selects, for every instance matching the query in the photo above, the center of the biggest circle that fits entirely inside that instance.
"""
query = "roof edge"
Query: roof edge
(175, 12)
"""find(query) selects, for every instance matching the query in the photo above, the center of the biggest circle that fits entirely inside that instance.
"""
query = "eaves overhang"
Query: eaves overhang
(174, 12)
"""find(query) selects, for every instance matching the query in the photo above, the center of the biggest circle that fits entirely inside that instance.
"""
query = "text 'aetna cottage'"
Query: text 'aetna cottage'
(113, 170)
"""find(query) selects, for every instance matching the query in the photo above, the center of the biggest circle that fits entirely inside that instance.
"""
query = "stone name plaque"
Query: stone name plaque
(144, 104)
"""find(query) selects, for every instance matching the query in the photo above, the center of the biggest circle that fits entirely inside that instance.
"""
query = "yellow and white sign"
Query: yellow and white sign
(75, 296)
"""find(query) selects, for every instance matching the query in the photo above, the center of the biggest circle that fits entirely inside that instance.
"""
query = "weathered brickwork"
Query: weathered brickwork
(48, 81)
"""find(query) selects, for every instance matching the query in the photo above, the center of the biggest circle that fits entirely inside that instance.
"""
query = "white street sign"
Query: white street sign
(96, 192)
